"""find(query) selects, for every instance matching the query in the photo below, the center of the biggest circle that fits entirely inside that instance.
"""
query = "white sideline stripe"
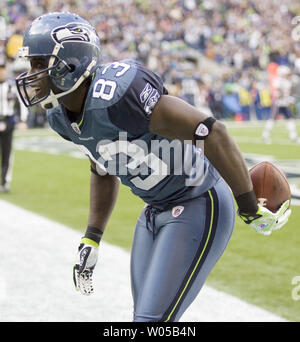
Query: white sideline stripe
(36, 285)
(256, 123)
(260, 141)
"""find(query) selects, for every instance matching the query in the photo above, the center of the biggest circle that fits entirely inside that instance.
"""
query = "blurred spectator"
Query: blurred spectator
(262, 101)
(245, 102)
(214, 100)
(283, 100)
(237, 35)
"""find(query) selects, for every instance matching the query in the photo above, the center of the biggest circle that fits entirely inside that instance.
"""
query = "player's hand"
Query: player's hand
(87, 257)
(265, 221)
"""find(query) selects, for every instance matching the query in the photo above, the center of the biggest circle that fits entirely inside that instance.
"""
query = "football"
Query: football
(270, 185)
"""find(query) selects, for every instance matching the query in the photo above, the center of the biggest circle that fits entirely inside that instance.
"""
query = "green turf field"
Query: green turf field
(254, 267)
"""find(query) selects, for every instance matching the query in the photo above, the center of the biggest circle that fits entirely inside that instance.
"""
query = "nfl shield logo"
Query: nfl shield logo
(176, 211)
(75, 127)
(202, 130)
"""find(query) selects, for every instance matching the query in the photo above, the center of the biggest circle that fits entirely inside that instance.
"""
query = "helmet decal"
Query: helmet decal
(71, 32)
(71, 47)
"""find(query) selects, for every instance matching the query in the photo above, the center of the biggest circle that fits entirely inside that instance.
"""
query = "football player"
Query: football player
(283, 99)
(121, 116)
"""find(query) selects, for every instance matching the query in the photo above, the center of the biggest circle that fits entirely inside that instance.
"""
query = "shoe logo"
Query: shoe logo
(176, 211)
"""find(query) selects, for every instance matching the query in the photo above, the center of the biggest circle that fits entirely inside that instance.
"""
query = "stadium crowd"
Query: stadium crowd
(217, 54)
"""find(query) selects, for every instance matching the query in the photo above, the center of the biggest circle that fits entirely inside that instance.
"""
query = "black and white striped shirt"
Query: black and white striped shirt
(7, 99)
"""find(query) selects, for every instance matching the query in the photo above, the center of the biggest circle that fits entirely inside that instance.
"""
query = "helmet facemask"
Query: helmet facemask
(30, 86)
(71, 48)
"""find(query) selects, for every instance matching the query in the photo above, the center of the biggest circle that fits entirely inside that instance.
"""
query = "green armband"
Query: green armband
(92, 236)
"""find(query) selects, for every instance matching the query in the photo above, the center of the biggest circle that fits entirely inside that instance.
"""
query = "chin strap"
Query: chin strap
(52, 100)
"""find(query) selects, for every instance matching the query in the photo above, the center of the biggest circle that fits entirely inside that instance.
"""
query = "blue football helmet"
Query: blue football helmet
(70, 47)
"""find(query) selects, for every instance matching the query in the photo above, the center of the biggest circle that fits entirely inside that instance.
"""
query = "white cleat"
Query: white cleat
(266, 140)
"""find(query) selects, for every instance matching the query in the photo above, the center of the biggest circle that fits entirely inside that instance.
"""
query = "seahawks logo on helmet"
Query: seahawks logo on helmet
(71, 32)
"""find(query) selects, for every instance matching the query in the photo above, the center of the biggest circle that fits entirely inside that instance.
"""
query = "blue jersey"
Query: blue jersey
(113, 131)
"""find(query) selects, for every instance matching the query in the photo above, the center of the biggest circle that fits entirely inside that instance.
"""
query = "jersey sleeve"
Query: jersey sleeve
(133, 111)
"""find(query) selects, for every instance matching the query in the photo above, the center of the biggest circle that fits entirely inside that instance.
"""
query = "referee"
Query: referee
(7, 125)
